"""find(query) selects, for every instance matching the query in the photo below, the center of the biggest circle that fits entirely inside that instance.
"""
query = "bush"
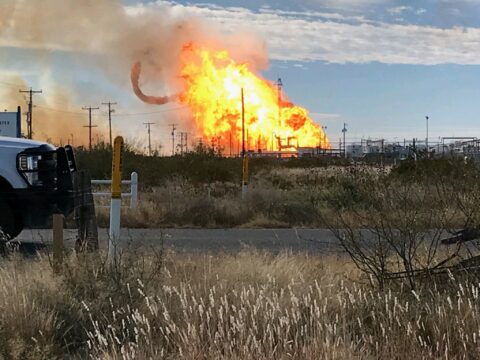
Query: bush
(154, 171)
(202, 166)
(434, 169)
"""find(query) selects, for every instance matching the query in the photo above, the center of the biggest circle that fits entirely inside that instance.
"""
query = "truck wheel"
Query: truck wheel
(9, 225)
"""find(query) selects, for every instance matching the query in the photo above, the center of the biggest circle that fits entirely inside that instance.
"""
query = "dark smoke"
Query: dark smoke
(154, 100)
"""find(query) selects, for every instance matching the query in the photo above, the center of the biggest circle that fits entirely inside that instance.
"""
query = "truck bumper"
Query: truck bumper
(35, 205)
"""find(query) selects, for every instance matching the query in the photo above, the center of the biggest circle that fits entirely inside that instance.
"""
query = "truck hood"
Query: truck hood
(20, 144)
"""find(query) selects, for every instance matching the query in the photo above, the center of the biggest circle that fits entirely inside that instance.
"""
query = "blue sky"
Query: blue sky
(378, 65)
(384, 92)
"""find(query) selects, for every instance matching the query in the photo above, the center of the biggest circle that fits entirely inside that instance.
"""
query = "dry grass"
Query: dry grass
(247, 305)
(282, 198)
(278, 198)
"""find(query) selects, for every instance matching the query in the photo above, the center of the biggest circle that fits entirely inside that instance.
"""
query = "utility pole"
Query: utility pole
(279, 99)
(180, 146)
(174, 127)
(324, 136)
(90, 126)
(243, 124)
(110, 111)
(426, 139)
(148, 124)
(183, 142)
(344, 131)
(30, 112)
(244, 158)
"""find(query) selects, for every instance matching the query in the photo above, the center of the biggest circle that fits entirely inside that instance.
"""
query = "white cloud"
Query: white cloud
(397, 10)
(349, 4)
(315, 14)
(299, 38)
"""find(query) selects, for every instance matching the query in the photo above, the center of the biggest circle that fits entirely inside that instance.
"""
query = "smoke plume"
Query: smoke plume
(113, 38)
(121, 42)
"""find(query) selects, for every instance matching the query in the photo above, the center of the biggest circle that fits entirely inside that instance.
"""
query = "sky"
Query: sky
(379, 66)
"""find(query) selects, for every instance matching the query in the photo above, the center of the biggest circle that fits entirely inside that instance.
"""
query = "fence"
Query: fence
(133, 194)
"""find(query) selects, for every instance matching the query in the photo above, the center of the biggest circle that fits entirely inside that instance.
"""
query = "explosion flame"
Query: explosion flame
(212, 86)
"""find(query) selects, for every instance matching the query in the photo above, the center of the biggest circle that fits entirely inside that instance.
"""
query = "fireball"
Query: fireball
(212, 89)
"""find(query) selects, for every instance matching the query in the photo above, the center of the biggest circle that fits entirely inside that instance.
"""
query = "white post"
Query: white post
(114, 231)
(116, 201)
(134, 191)
(244, 191)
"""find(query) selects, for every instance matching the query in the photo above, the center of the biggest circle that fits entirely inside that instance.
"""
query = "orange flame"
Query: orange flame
(212, 90)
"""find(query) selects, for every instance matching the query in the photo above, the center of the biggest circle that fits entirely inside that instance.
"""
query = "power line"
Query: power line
(110, 111)
(30, 112)
(116, 114)
(154, 112)
(90, 126)
(59, 110)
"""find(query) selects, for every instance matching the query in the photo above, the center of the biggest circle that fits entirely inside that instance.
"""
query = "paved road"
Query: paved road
(193, 240)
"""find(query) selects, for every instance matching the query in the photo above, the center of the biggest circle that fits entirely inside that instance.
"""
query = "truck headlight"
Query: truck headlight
(38, 169)
(28, 165)
(28, 162)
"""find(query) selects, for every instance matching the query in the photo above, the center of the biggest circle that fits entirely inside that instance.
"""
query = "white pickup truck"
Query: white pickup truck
(36, 180)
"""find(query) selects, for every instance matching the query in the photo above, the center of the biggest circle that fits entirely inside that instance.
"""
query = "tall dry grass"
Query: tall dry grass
(279, 198)
(229, 306)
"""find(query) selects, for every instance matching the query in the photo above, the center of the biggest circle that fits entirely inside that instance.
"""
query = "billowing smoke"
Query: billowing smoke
(109, 36)
(115, 39)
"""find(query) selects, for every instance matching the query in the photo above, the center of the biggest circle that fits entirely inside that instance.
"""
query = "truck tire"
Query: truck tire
(9, 224)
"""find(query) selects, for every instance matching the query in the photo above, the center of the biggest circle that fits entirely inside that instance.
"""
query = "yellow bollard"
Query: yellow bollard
(117, 162)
